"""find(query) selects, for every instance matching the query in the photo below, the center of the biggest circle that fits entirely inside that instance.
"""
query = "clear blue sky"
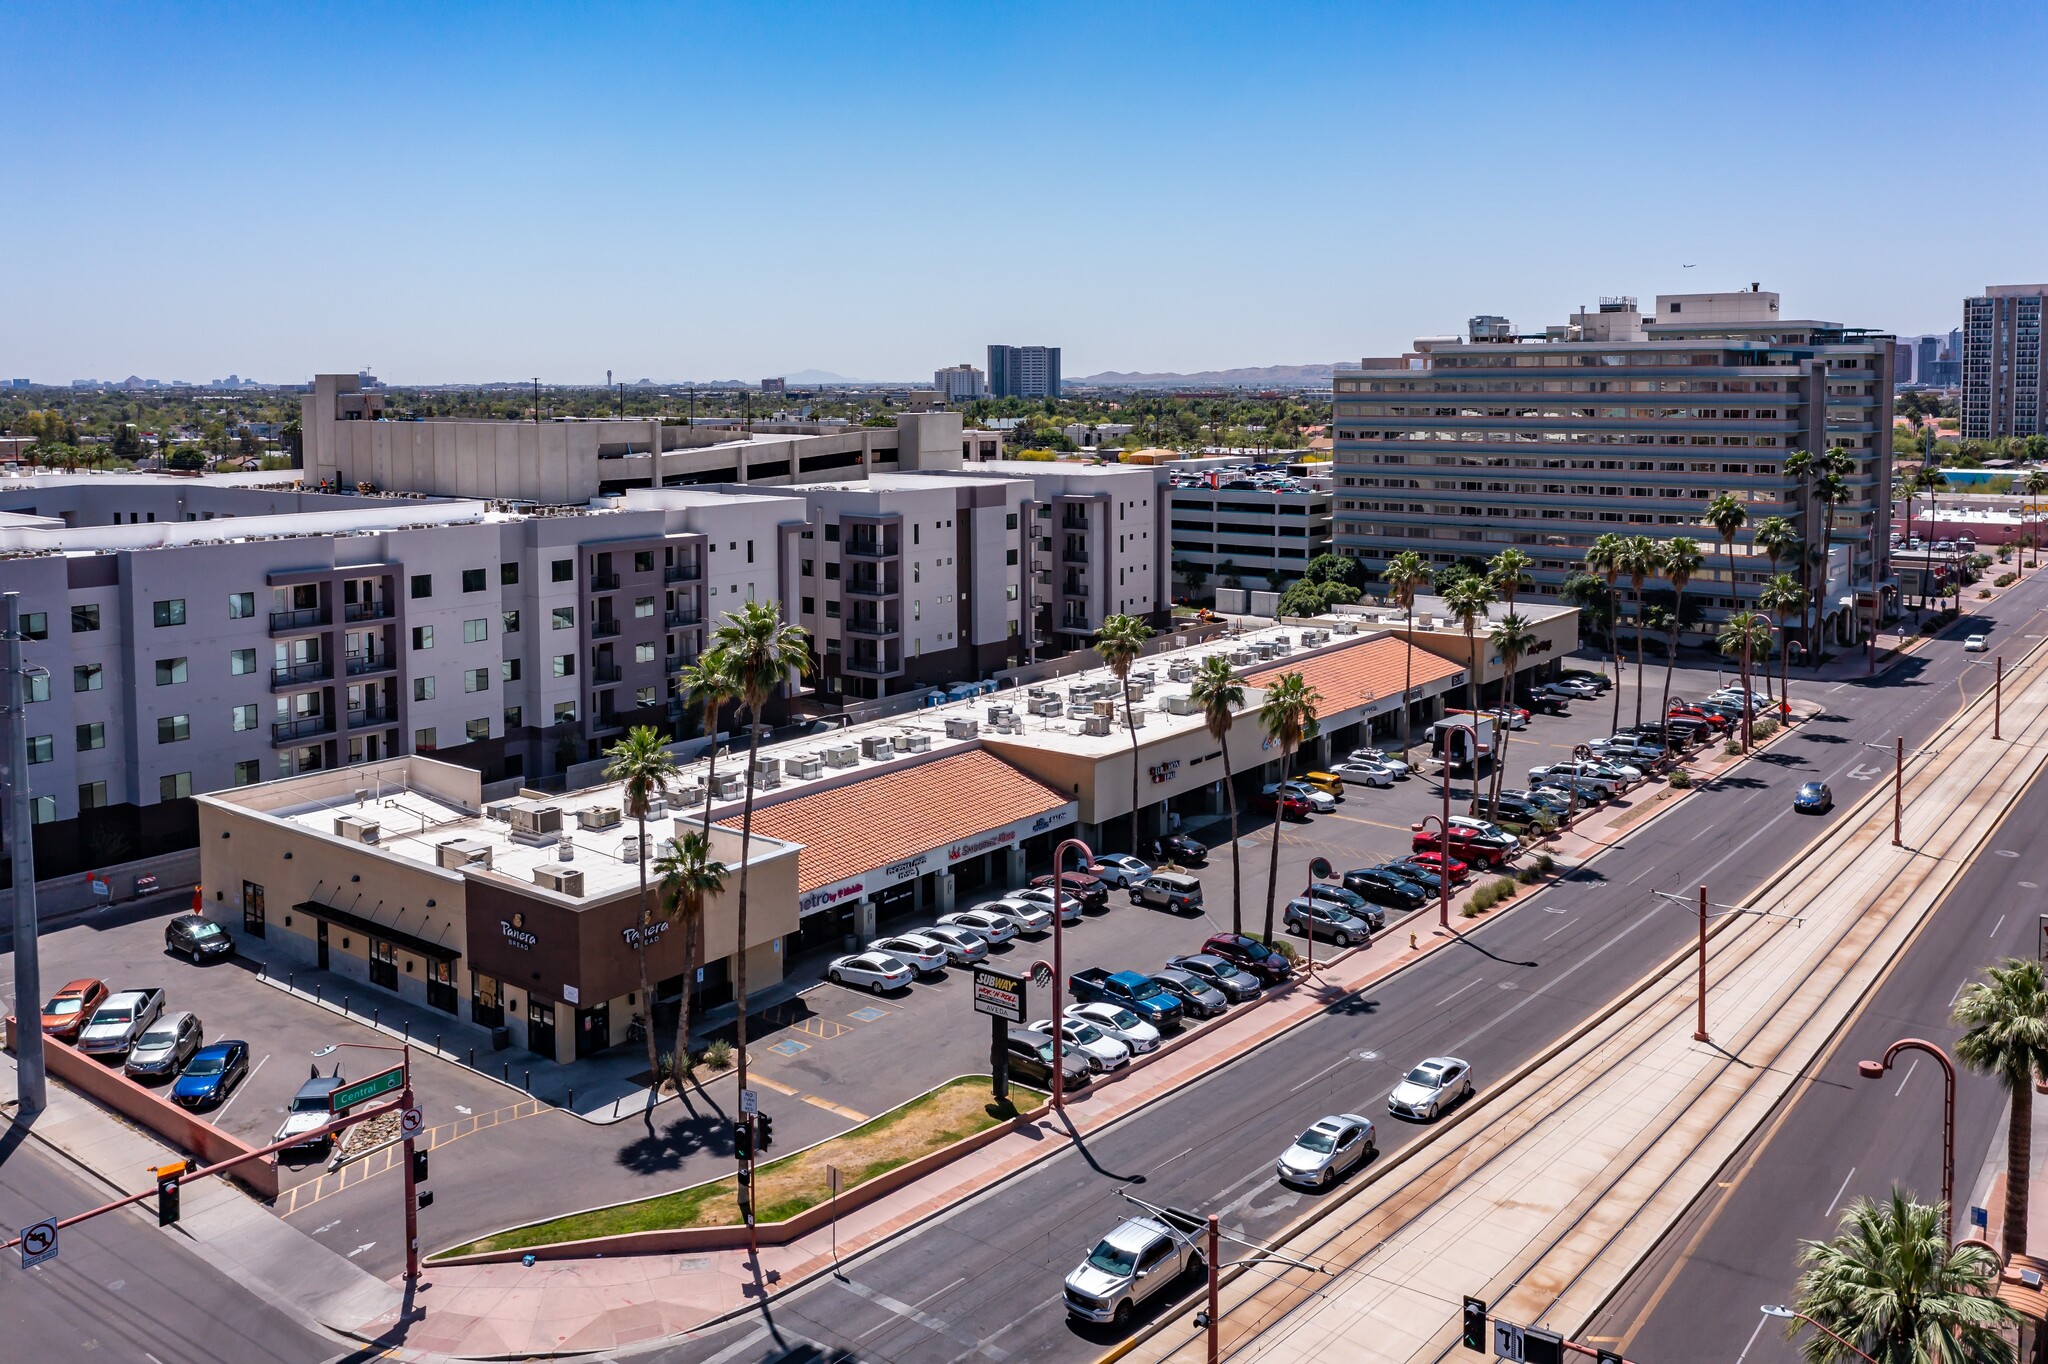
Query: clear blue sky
(449, 192)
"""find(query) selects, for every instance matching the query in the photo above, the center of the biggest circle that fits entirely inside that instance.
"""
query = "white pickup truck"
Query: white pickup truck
(1136, 1260)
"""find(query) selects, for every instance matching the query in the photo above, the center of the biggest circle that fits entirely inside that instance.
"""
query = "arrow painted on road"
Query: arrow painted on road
(360, 1249)
(463, 1111)
(1862, 773)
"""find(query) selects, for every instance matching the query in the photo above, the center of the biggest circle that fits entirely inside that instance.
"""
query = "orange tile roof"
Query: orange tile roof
(1360, 673)
(869, 824)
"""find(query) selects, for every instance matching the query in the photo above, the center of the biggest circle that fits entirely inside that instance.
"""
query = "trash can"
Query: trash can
(501, 1037)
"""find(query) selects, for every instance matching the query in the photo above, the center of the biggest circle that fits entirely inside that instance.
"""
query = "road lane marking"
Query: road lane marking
(1909, 1075)
(1455, 993)
(1760, 1320)
(1839, 1192)
(1995, 927)
(744, 1344)
(1327, 1069)
(949, 1287)
(1554, 932)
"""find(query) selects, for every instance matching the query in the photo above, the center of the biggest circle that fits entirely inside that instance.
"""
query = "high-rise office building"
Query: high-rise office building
(1024, 371)
(2003, 392)
(960, 383)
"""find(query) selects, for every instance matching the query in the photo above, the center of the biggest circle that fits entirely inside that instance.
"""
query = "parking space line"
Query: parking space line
(302, 1196)
(841, 1109)
(1377, 824)
(761, 1079)
(239, 1090)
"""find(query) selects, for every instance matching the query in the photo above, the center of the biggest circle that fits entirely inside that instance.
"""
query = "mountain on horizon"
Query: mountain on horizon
(1262, 376)
(818, 376)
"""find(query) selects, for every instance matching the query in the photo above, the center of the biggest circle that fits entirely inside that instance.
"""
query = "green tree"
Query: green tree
(1606, 558)
(1467, 602)
(1287, 714)
(708, 684)
(1640, 559)
(1781, 596)
(1744, 635)
(2005, 1022)
(642, 761)
(1512, 639)
(1891, 1285)
(1120, 643)
(1336, 568)
(689, 877)
(1219, 695)
(1832, 492)
(1406, 574)
(1681, 559)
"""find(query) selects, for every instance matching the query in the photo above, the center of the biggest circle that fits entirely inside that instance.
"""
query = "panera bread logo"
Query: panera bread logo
(515, 932)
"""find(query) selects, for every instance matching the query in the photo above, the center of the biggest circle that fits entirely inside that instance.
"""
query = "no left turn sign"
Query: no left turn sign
(39, 1242)
(411, 1122)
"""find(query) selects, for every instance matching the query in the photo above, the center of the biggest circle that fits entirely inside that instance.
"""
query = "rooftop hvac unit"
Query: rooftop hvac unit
(1180, 672)
(1240, 657)
(1047, 705)
(962, 727)
(598, 817)
(1283, 642)
(458, 853)
(1311, 638)
(561, 880)
(565, 851)
(1105, 707)
(728, 785)
(356, 830)
(629, 849)
(875, 746)
(805, 768)
(922, 743)
(767, 775)
(1137, 689)
(900, 742)
(657, 805)
(498, 810)
(1346, 627)
(1179, 703)
(842, 755)
(1135, 716)
(538, 825)
(688, 797)
(1097, 725)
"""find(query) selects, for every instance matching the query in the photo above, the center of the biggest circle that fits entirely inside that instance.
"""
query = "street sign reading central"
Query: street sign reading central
(362, 1091)
(999, 994)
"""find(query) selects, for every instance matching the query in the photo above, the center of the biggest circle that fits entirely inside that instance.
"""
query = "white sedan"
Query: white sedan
(1397, 765)
(1365, 773)
(1120, 1023)
(1030, 916)
(997, 928)
(878, 971)
(1976, 644)
(1101, 1051)
(1431, 1088)
(1070, 906)
(1119, 869)
(914, 950)
(1321, 802)
(1330, 1148)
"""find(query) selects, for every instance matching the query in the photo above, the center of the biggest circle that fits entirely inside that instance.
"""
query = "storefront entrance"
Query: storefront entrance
(593, 1030)
(320, 943)
(540, 1028)
(252, 909)
(383, 964)
(441, 984)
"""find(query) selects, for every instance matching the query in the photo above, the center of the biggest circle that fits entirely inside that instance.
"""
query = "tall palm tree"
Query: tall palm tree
(1932, 481)
(2005, 1017)
(642, 761)
(1467, 600)
(1681, 559)
(1219, 695)
(762, 651)
(1728, 516)
(1891, 1285)
(1512, 639)
(1287, 714)
(1742, 636)
(1508, 571)
(1603, 560)
(1800, 467)
(2035, 486)
(689, 877)
(1832, 491)
(1640, 559)
(1665, 623)
(1120, 642)
(708, 683)
(1406, 574)
(1781, 596)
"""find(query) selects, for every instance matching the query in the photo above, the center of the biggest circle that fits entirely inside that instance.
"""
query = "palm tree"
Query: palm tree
(689, 877)
(708, 684)
(1467, 599)
(1508, 571)
(1406, 574)
(1781, 596)
(1742, 636)
(1833, 492)
(1728, 516)
(1682, 558)
(761, 652)
(1219, 695)
(1640, 560)
(1286, 714)
(2035, 485)
(1891, 1285)
(1665, 623)
(1512, 639)
(1603, 559)
(1120, 642)
(642, 761)
(1800, 468)
(2005, 1017)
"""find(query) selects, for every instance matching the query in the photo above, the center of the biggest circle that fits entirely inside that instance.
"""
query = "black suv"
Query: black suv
(1249, 954)
(197, 937)
(1385, 888)
(1030, 1057)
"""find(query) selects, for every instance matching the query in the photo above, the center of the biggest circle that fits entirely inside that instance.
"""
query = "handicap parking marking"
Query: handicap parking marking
(789, 1047)
(869, 1014)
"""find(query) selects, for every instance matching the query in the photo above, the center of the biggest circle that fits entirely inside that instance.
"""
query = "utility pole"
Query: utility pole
(1898, 793)
(536, 400)
(1998, 698)
(31, 1090)
(1699, 1033)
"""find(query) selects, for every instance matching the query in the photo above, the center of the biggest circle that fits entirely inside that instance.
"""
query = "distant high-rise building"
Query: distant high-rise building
(774, 386)
(960, 383)
(1902, 362)
(1024, 371)
(2003, 390)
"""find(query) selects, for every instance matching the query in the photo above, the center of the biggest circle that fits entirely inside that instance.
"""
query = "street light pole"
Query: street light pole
(1898, 792)
(1443, 870)
(1215, 1272)
(1059, 894)
(1872, 1070)
(1699, 1033)
(1791, 1313)
(1998, 697)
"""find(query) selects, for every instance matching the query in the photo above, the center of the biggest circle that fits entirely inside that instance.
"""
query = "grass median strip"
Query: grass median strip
(786, 1187)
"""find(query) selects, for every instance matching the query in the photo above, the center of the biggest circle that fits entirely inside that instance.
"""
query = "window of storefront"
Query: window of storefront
(540, 1027)
(441, 984)
(486, 1000)
(252, 909)
(383, 964)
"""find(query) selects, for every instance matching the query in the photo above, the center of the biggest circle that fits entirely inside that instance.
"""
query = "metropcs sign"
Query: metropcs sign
(910, 868)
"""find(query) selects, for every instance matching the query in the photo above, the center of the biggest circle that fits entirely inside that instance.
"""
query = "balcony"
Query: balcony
(368, 610)
(870, 587)
(870, 549)
(1072, 522)
(682, 573)
(603, 673)
(682, 620)
(871, 665)
(359, 664)
(305, 727)
(1070, 555)
(858, 626)
(364, 716)
(301, 674)
(303, 619)
(604, 627)
(604, 582)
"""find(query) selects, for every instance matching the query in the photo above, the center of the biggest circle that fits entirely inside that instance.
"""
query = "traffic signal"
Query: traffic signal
(167, 1194)
(767, 1132)
(1608, 1357)
(1475, 1324)
(419, 1167)
(1541, 1347)
(743, 1140)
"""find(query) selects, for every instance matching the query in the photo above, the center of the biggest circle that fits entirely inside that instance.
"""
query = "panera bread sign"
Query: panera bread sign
(516, 933)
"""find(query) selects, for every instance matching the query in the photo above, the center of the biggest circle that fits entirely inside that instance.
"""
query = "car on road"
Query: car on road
(1134, 1262)
(915, 950)
(1182, 848)
(197, 938)
(1385, 888)
(1393, 762)
(1249, 954)
(876, 971)
(116, 1024)
(212, 1074)
(165, 1047)
(1198, 998)
(1331, 1148)
(1172, 890)
(989, 920)
(67, 1011)
(1030, 1058)
(1430, 1088)
(1332, 923)
(1457, 869)
(1364, 773)
(1103, 1052)
(1813, 798)
(1976, 644)
(1285, 803)
(1220, 974)
(311, 1109)
(1119, 869)
(964, 946)
(1329, 783)
(1126, 1027)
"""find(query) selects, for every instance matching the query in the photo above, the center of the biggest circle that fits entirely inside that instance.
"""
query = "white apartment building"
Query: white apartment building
(961, 383)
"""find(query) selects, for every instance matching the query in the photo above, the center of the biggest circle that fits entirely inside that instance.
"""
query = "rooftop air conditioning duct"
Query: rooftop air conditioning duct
(356, 830)
(805, 768)
(598, 817)
(629, 848)
(962, 727)
(565, 850)
(561, 880)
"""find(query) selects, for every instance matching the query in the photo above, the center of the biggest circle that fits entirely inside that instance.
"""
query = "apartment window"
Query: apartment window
(1010, 556)
(564, 618)
(476, 631)
(806, 570)
(170, 671)
(423, 740)
(35, 625)
(810, 604)
(94, 736)
(832, 610)
(42, 810)
(832, 532)
(241, 605)
(565, 665)
(423, 688)
(171, 612)
(41, 748)
(84, 618)
(644, 696)
(1011, 591)
(422, 636)
(477, 679)
(511, 622)
(508, 574)
(245, 718)
(422, 585)
(643, 653)
(472, 580)
(562, 570)
(172, 729)
(174, 786)
(1010, 521)
(87, 677)
(509, 669)
(92, 795)
(643, 606)
(241, 662)
(914, 529)
(831, 573)
(643, 561)
(248, 773)
(513, 718)
(750, 551)
(474, 730)
(565, 712)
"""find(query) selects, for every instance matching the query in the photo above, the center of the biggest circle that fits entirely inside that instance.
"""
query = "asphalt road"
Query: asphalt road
(984, 1280)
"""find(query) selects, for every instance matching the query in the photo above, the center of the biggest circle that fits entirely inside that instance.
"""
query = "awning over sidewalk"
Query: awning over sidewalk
(363, 924)
(896, 826)
(1362, 674)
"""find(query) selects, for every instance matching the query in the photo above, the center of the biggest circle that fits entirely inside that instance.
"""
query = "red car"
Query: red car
(1291, 805)
(1703, 717)
(1436, 862)
(1468, 844)
(64, 1017)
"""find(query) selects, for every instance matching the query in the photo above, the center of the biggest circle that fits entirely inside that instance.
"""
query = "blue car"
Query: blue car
(1814, 798)
(211, 1075)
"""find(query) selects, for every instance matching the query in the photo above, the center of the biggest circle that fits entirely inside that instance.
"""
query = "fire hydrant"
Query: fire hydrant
(1411, 940)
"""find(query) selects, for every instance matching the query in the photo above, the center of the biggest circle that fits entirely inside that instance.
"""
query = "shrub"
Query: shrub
(1473, 909)
(2005, 580)
(1732, 749)
(1982, 593)
(718, 1055)
(1545, 864)
(1762, 729)
(1280, 945)
(1681, 779)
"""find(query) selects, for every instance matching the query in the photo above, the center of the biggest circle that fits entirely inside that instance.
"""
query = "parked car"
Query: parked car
(1467, 845)
(1712, 721)
(1431, 1088)
(1976, 644)
(1586, 677)
(1553, 800)
(1198, 998)
(1329, 783)
(1251, 955)
(1514, 717)
(116, 1024)
(1127, 990)
(1385, 888)
(1071, 904)
(199, 938)
(1522, 810)
(1289, 805)
(1814, 798)
(1633, 747)
(67, 1011)
(1546, 702)
(1457, 869)
(964, 946)
(165, 1047)
(1172, 890)
(1623, 774)
(1568, 691)
(1580, 791)
(1103, 1052)
(1181, 848)
(991, 923)
(1332, 923)
(1331, 1148)
(1365, 773)
(1583, 772)
(1224, 975)
(212, 1074)
(1424, 877)
(1135, 1261)
(1319, 801)
(919, 953)
(1392, 761)
(1091, 891)
(876, 971)
(1030, 1057)
(1126, 1027)
(311, 1109)
(1119, 869)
